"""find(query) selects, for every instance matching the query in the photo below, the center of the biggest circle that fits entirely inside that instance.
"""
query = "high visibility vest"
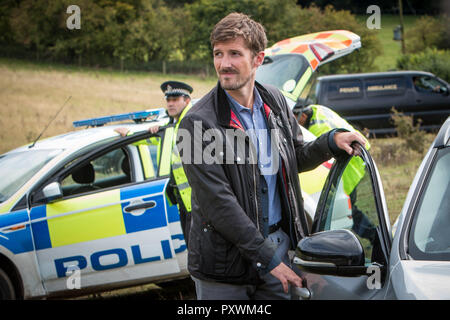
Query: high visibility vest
(147, 162)
(323, 120)
(184, 190)
(170, 159)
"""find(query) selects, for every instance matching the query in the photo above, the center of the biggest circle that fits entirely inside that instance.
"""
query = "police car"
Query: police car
(86, 211)
(91, 204)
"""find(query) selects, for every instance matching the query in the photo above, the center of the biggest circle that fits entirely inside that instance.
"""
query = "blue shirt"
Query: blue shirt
(255, 124)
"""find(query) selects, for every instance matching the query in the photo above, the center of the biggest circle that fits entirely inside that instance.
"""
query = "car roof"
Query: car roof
(81, 138)
(374, 75)
(443, 137)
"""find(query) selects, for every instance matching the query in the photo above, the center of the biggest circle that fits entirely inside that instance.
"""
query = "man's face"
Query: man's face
(176, 105)
(235, 63)
(302, 119)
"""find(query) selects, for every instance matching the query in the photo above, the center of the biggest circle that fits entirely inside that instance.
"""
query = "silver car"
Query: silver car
(364, 260)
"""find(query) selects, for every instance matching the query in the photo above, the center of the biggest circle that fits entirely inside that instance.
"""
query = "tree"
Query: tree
(34, 25)
(428, 32)
(204, 14)
(281, 20)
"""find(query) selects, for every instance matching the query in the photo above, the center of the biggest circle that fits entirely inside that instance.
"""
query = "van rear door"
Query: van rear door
(291, 75)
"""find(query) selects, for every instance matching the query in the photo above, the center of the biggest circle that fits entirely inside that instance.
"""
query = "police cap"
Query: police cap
(176, 89)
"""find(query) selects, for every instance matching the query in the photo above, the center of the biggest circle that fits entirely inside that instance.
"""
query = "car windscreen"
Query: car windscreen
(282, 71)
(19, 167)
(429, 238)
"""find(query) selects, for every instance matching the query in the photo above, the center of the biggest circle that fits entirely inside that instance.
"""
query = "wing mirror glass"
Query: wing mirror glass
(333, 252)
(49, 193)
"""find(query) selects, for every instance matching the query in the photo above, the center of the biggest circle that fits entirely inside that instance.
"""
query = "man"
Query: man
(244, 217)
(178, 99)
(318, 120)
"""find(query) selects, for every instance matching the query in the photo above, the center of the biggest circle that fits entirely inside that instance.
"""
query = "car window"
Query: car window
(429, 238)
(429, 84)
(108, 170)
(282, 71)
(149, 150)
(350, 205)
(19, 167)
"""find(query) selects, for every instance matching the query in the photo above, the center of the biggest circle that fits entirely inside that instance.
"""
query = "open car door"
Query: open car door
(347, 254)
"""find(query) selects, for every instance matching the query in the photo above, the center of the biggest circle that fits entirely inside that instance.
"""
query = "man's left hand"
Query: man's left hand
(344, 140)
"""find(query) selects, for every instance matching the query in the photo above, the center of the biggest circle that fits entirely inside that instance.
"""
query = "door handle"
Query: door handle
(304, 293)
(140, 206)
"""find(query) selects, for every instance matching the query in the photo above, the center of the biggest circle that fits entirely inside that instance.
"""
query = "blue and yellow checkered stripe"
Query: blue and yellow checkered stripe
(87, 218)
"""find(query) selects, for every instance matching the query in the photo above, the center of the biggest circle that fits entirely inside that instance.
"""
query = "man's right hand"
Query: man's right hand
(283, 273)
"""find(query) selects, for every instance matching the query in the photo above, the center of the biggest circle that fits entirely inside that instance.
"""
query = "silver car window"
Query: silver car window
(429, 238)
(351, 205)
(19, 167)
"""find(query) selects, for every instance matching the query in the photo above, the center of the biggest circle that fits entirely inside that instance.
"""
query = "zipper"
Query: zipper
(256, 197)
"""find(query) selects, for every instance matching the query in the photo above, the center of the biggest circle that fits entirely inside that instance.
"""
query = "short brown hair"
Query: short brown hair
(238, 24)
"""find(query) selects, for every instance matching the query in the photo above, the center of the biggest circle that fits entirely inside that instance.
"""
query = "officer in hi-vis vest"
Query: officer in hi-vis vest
(178, 103)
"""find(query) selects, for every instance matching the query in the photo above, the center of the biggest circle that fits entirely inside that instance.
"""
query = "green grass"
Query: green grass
(18, 64)
(391, 48)
(397, 166)
(32, 93)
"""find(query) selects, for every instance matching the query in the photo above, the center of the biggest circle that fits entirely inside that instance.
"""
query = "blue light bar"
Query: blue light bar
(137, 116)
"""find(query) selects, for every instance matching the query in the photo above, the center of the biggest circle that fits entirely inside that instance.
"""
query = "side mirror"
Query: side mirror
(49, 193)
(334, 252)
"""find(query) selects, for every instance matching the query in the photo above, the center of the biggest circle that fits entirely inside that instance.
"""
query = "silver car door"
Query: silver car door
(353, 199)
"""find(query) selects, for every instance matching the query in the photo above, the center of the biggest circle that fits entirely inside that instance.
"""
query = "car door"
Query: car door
(159, 157)
(110, 223)
(353, 199)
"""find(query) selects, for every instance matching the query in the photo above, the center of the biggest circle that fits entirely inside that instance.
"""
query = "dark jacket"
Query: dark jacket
(226, 243)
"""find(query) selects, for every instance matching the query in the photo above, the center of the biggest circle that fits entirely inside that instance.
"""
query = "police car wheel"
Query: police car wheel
(7, 291)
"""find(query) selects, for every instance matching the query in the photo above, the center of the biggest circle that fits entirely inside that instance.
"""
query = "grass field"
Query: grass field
(391, 48)
(31, 94)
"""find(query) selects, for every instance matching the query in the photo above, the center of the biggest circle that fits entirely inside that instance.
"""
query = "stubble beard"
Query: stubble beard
(236, 85)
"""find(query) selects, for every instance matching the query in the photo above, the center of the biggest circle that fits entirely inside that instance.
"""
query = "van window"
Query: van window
(429, 84)
(385, 86)
(344, 89)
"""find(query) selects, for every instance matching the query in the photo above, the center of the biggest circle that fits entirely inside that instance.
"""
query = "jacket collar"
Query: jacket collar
(222, 107)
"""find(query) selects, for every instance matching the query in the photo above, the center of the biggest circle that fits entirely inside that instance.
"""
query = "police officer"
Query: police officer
(178, 103)
(178, 100)
(318, 120)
